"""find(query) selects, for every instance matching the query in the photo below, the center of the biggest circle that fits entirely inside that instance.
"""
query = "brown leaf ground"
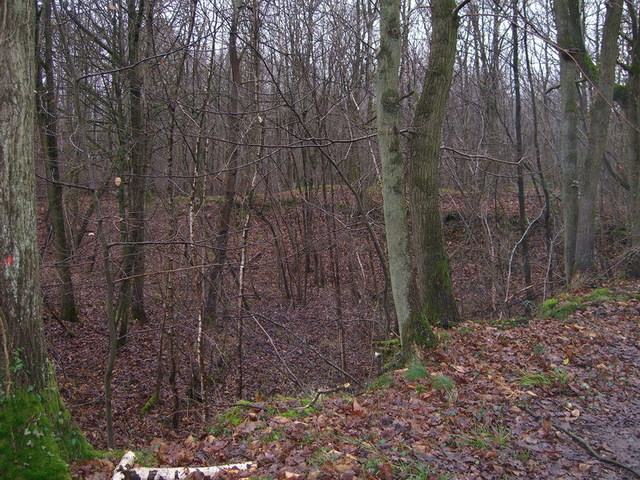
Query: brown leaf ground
(462, 416)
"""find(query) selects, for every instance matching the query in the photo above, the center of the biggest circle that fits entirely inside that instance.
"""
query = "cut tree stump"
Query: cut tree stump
(127, 471)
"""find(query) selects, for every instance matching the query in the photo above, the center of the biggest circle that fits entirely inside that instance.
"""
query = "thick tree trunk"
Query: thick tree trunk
(437, 304)
(600, 112)
(580, 179)
(20, 299)
(630, 101)
(632, 144)
(396, 215)
(568, 144)
(29, 399)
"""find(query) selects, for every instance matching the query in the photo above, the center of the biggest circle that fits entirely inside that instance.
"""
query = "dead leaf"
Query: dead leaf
(292, 475)
(357, 408)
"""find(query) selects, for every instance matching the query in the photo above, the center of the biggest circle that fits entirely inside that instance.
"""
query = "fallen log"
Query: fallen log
(126, 470)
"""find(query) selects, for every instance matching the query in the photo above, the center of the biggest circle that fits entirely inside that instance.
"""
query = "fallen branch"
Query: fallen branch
(583, 443)
(126, 470)
(325, 392)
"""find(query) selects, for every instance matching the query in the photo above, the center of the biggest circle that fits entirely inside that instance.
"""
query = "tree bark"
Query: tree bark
(20, 299)
(580, 178)
(437, 304)
(138, 183)
(224, 225)
(600, 112)
(631, 107)
(131, 299)
(48, 120)
(522, 217)
(29, 397)
(396, 214)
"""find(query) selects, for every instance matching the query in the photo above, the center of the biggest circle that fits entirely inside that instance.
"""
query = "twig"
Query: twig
(325, 392)
(583, 443)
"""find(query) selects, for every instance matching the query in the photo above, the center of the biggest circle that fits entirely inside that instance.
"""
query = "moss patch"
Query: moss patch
(38, 436)
(29, 449)
(382, 382)
(566, 304)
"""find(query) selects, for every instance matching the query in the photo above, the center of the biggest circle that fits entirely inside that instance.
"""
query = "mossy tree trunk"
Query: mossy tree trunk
(581, 174)
(629, 98)
(36, 432)
(599, 115)
(396, 212)
(437, 304)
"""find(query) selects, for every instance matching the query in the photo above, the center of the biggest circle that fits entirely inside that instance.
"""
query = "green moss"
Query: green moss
(274, 435)
(388, 349)
(381, 383)
(598, 295)
(418, 337)
(509, 323)
(466, 330)
(38, 438)
(565, 305)
(144, 458)
(230, 418)
(150, 404)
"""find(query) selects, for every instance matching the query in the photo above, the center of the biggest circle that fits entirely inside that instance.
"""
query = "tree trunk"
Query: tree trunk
(522, 217)
(631, 106)
(29, 399)
(600, 112)
(48, 120)
(396, 215)
(131, 299)
(224, 225)
(437, 304)
(138, 183)
(568, 153)
(580, 179)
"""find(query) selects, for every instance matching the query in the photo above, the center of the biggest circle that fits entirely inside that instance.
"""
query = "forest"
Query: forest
(282, 231)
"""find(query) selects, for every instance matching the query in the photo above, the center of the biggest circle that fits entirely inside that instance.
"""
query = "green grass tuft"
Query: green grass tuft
(483, 437)
(415, 373)
(556, 377)
(441, 382)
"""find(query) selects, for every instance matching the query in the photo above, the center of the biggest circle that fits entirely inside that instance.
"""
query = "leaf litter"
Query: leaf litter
(512, 388)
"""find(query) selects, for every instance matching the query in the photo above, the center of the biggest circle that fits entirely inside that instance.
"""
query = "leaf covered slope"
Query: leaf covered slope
(492, 405)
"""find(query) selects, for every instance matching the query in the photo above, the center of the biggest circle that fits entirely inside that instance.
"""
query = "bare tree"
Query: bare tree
(49, 124)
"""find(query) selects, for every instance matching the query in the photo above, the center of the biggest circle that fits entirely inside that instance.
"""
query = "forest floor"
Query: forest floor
(498, 400)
